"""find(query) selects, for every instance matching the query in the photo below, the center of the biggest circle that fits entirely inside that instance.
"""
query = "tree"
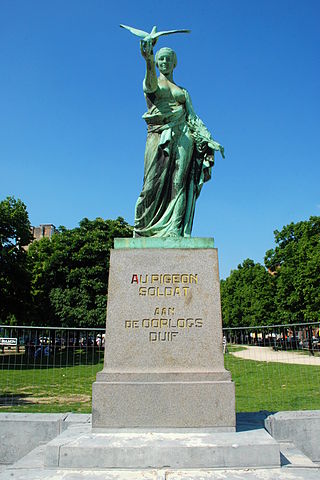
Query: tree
(247, 296)
(15, 233)
(70, 273)
(295, 263)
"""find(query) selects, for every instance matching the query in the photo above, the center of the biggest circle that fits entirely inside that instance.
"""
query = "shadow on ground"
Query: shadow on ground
(251, 420)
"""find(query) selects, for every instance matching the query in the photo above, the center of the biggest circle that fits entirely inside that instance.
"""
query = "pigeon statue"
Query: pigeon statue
(153, 36)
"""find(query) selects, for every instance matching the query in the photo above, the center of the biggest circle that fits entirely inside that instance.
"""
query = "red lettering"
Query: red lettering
(134, 279)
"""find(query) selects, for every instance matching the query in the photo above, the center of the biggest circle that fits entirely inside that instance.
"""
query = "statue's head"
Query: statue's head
(163, 55)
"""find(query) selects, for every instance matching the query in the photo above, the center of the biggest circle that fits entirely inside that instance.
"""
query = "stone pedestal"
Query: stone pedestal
(163, 398)
(163, 364)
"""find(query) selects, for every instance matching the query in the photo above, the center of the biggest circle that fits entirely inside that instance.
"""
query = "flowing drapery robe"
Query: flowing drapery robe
(179, 157)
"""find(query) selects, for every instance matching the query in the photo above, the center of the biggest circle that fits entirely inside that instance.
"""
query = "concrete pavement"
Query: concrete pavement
(267, 354)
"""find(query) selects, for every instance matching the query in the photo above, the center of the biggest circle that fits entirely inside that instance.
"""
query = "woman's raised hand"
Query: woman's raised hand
(146, 47)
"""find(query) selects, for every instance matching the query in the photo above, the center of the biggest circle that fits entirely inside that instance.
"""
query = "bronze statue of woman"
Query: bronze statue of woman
(179, 151)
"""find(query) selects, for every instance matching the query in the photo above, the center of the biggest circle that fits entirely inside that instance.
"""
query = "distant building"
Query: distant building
(44, 230)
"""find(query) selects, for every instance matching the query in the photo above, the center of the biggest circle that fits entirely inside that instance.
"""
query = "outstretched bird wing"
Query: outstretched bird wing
(169, 32)
(135, 31)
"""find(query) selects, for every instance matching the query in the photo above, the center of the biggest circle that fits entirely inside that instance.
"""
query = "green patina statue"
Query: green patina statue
(179, 151)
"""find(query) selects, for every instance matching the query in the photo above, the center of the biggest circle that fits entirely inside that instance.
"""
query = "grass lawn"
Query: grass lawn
(63, 383)
(274, 386)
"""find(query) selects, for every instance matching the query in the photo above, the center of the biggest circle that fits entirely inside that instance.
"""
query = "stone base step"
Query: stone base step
(291, 456)
(78, 447)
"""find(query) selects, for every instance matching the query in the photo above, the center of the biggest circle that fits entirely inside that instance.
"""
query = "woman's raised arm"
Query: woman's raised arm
(150, 83)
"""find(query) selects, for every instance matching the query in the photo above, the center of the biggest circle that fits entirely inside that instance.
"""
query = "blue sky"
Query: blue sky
(72, 137)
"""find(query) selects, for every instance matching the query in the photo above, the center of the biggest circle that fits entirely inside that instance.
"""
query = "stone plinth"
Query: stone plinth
(302, 428)
(80, 448)
(22, 432)
(163, 363)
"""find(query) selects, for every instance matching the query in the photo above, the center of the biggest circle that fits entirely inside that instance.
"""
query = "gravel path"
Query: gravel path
(267, 354)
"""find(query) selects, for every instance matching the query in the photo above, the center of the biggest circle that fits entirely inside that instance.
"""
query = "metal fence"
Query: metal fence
(296, 336)
(274, 367)
(47, 369)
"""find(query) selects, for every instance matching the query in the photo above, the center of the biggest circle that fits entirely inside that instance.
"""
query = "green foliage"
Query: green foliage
(14, 278)
(63, 280)
(247, 296)
(295, 263)
(287, 290)
(14, 225)
(70, 273)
